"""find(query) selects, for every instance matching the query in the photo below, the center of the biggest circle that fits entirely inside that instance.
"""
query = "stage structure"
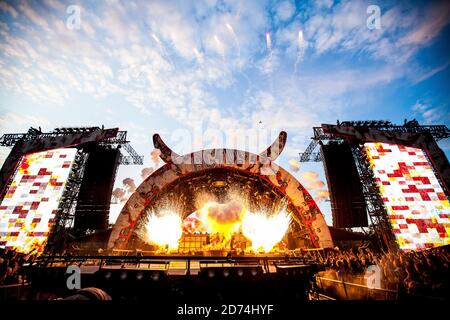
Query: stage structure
(397, 176)
(219, 201)
(57, 185)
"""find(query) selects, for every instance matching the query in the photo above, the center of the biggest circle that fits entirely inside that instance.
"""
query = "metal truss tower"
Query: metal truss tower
(120, 139)
(82, 138)
(354, 134)
(67, 207)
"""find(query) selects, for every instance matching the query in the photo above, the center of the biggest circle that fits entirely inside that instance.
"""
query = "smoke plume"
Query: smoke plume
(314, 185)
(129, 185)
(311, 180)
(146, 172)
(154, 155)
(119, 194)
(310, 175)
(226, 213)
(322, 195)
(294, 165)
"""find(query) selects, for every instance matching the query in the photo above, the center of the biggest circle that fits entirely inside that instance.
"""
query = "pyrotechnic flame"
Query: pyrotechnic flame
(220, 46)
(265, 231)
(164, 229)
(155, 38)
(198, 55)
(300, 51)
(268, 41)
(235, 39)
(161, 47)
(300, 39)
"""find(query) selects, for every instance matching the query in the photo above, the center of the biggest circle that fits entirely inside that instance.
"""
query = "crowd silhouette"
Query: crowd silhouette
(416, 273)
(11, 265)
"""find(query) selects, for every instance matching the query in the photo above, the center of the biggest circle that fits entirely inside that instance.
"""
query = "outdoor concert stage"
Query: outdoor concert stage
(216, 224)
(220, 200)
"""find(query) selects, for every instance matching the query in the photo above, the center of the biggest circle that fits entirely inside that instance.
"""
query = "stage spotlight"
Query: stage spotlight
(155, 276)
(139, 275)
(123, 275)
(294, 270)
(240, 272)
(211, 273)
(254, 272)
(108, 275)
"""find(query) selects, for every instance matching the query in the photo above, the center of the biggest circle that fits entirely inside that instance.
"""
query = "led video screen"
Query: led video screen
(27, 212)
(418, 209)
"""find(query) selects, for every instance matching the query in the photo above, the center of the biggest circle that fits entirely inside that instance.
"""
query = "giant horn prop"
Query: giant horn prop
(167, 155)
(271, 153)
(275, 149)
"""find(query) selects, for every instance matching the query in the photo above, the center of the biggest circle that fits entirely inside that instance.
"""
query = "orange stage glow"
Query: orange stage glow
(164, 230)
(265, 231)
(224, 223)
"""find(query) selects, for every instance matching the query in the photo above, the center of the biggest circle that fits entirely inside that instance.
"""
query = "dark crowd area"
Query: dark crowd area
(419, 273)
(11, 265)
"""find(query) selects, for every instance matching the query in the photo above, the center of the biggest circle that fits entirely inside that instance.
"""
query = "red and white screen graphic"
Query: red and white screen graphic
(418, 209)
(27, 212)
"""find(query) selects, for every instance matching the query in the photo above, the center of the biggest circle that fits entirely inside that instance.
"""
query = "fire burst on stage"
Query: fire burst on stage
(227, 226)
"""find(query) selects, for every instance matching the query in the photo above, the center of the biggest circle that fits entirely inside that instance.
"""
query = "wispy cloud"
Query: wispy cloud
(429, 113)
(285, 10)
(32, 15)
(6, 7)
(425, 74)
(208, 62)
(14, 122)
(404, 29)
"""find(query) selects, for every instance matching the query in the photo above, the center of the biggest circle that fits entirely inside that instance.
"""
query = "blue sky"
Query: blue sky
(203, 73)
